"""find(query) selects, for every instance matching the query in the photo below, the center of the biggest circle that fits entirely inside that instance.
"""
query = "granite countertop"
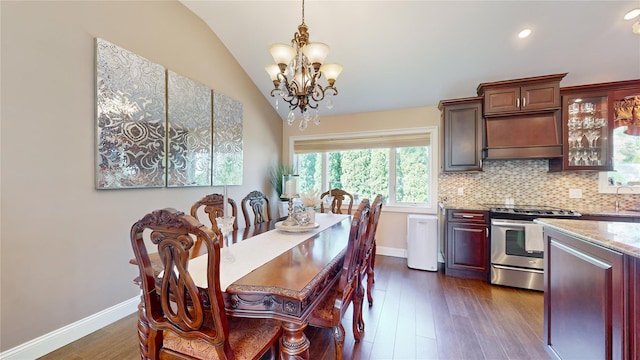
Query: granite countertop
(623, 237)
(609, 212)
(466, 206)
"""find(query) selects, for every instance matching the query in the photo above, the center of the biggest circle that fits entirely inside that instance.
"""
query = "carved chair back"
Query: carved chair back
(172, 302)
(348, 289)
(369, 246)
(212, 206)
(339, 196)
(349, 285)
(258, 207)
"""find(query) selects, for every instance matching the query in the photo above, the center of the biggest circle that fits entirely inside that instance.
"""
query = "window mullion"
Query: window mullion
(392, 176)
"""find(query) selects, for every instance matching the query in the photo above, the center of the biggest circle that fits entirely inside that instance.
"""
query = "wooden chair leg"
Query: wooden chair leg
(338, 340)
(370, 281)
(373, 261)
(358, 321)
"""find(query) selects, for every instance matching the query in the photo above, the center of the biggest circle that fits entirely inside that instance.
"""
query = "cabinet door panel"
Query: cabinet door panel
(543, 96)
(463, 137)
(502, 100)
(467, 247)
(634, 308)
(584, 306)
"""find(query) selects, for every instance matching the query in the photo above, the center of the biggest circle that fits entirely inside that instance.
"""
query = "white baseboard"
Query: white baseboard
(389, 251)
(56, 339)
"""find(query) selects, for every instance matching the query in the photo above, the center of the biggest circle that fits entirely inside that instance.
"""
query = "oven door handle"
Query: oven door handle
(517, 269)
(511, 223)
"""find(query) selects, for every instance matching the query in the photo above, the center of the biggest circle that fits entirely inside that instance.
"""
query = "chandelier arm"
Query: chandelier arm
(318, 93)
(335, 90)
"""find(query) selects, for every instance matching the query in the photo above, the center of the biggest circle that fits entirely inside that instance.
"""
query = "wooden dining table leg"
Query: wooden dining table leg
(294, 344)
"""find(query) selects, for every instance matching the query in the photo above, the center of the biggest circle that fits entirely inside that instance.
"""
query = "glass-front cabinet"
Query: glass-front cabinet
(588, 132)
(590, 113)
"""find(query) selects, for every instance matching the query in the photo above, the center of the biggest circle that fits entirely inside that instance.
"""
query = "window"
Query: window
(401, 166)
(626, 159)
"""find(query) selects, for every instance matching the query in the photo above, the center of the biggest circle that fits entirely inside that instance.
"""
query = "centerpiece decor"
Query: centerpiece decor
(290, 191)
(310, 201)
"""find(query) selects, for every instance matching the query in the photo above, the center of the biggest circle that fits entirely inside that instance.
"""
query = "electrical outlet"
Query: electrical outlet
(575, 193)
(460, 191)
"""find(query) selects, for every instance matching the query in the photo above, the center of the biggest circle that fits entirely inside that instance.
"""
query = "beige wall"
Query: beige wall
(65, 245)
(392, 228)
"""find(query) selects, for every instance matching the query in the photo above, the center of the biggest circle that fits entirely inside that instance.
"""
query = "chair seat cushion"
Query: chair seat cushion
(247, 337)
(324, 312)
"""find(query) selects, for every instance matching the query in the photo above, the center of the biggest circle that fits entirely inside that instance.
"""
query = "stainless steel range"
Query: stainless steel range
(517, 244)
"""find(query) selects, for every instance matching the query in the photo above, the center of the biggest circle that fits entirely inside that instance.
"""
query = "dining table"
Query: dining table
(278, 272)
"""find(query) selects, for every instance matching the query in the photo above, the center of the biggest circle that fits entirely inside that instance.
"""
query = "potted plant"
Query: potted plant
(276, 182)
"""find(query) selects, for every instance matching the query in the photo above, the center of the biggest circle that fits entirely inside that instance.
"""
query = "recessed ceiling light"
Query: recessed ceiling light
(524, 33)
(632, 14)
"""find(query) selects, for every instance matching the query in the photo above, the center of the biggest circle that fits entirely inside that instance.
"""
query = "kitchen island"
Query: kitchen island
(592, 289)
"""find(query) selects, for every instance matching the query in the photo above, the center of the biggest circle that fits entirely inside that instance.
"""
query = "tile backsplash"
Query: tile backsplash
(528, 182)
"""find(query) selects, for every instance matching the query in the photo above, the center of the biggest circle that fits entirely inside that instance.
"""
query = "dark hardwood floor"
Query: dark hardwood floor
(415, 315)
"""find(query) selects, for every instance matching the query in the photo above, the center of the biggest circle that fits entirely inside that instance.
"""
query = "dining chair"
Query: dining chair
(179, 319)
(212, 206)
(259, 208)
(369, 246)
(339, 196)
(348, 289)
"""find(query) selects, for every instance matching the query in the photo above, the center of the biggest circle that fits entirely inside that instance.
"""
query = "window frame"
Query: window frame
(603, 180)
(431, 207)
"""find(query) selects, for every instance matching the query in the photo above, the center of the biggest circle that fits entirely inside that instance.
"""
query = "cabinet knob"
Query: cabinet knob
(518, 102)
(524, 102)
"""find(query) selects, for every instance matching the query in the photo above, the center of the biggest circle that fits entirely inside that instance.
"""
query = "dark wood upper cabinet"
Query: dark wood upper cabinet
(522, 118)
(590, 113)
(463, 130)
(519, 96)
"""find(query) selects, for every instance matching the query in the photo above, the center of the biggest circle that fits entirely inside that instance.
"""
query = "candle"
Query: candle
(224, 202)
(290, 187)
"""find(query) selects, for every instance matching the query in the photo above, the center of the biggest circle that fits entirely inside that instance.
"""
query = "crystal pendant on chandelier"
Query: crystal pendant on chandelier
(276, 103)
(291, 117)
(306, 114)
(303, 124)
(316, 118)
(330, 103)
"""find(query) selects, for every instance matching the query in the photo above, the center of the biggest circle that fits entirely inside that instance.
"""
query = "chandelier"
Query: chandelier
(297, 73)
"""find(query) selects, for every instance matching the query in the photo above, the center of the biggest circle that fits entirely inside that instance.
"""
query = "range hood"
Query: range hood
(531, 136)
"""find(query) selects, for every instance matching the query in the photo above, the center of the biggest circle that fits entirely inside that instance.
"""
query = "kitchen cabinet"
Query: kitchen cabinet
(519, 96)
(463, 130)
(467, 243)
(584, 299)
(590, 113)
(634, 308)
(522, 118)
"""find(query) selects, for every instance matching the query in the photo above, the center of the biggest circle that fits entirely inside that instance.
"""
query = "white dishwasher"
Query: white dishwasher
(422, 242)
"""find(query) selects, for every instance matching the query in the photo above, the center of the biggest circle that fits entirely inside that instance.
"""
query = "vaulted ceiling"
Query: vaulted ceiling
(399, 54)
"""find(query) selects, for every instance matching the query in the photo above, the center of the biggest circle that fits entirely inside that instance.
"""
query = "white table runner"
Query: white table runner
(253, 252)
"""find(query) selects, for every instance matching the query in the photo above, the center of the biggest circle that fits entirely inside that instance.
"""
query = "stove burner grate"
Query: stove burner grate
(534, 211)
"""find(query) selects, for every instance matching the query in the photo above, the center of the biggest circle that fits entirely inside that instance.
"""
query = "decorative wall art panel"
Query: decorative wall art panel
(189, 132)
(131, 118)
(227, 140)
